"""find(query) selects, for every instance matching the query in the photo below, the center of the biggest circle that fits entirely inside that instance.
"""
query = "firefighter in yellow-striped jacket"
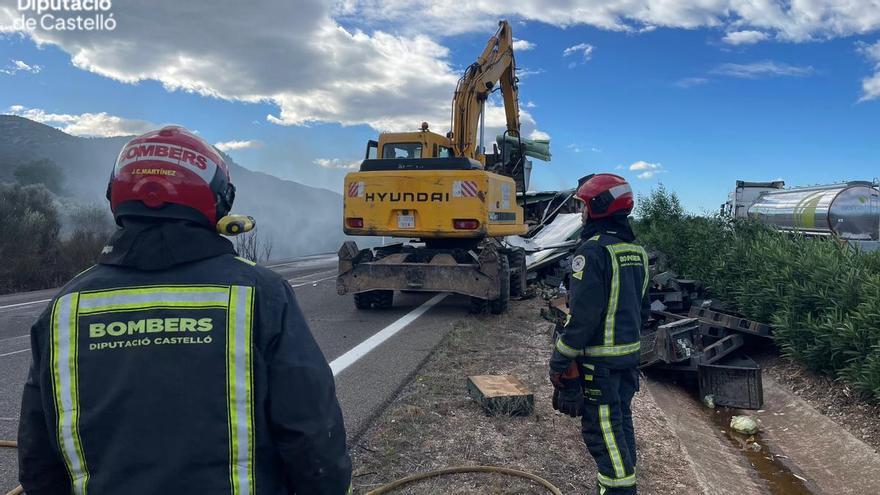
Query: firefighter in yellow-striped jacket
(173, 366)
(594, 368)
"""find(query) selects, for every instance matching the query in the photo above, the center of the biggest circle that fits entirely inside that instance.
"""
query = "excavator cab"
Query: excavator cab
(410, 145)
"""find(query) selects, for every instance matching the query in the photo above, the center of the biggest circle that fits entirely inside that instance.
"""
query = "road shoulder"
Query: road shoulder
(432, 422)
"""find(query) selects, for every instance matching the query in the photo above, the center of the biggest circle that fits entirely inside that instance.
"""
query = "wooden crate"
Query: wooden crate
(501, 394)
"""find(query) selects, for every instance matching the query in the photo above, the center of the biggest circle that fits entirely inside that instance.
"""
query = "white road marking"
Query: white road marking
(24, 304)
(14, 338)
(311, 260)
(310, 275)
(313, 281)
(8, 419)
(339, 364)
(15, 352)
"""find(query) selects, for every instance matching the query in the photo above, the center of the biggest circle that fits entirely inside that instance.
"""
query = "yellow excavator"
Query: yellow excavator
(455, 201)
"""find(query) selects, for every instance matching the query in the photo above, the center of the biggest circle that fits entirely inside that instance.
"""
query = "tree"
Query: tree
(29, 241)
(252, 246)
(43, 171)
(91, 226)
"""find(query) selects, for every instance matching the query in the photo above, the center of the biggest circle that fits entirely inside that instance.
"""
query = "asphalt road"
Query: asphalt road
(372, 353)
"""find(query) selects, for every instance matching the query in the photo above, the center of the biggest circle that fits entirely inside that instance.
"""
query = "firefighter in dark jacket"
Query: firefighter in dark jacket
(594, 368)
(174, 366)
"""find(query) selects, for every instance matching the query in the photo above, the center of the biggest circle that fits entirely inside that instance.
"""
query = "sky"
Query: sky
(691, 94)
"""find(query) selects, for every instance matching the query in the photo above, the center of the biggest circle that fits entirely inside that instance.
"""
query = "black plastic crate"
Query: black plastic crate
(733, 382)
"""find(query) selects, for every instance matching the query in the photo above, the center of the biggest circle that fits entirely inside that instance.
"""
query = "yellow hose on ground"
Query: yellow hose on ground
(14, 445)
(404, 481)
(465, 469)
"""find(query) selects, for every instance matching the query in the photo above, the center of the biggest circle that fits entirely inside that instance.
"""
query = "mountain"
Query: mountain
(298, 219)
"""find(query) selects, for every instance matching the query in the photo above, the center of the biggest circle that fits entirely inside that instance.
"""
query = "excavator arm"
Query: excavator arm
(495, 64)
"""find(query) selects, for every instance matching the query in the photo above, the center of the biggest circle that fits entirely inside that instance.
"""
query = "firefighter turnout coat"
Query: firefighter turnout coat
(175, 367)
(608, 300)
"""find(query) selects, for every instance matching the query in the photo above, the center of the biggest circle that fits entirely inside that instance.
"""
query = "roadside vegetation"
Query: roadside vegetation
(821, 296)
(44, 241)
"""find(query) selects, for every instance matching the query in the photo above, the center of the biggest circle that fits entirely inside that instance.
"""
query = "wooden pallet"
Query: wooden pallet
(501, 394)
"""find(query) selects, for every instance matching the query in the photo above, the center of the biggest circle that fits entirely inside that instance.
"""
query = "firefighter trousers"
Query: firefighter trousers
(608, 427)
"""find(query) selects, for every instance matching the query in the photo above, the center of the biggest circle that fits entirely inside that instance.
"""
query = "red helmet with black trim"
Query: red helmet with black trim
(605, 195)
(170, 173)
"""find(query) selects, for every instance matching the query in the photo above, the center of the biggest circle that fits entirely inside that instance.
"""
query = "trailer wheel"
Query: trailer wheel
(498, 306)
(517, 261)
(383, 298)
(363, 300)
(479, 306)
(378, 299)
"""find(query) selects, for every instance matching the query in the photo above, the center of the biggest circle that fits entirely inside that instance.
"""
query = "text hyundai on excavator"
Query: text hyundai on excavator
(455, 201)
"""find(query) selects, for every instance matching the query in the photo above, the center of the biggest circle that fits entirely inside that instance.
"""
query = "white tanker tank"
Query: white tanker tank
(850, 211)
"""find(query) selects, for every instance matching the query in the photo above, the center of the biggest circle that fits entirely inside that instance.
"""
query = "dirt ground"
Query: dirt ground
(834, 399)
(433, 423)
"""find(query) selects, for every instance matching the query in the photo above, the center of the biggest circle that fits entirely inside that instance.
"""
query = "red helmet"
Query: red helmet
(606, 195)
(170, 173)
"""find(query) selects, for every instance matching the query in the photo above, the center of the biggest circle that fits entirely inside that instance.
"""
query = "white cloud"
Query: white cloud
(799, 20)
(689, 82)
(747, 37)
(227, 146)
(337, 163)
(574, 147)
(292, 54)
(524, 72)
(643, 165)
(536, 134)
(85, 124)
(870, 84)
(766, 68)
(584, 49)
(16, 66)
(530, 104)
(646, 169)
(298, 56)
(523, 45)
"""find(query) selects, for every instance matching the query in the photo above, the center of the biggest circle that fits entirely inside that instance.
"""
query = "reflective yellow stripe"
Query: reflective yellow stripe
(569, 352)
(65, 388)
(594, 238)
(610, 442)
(612, 350)
(646, 282)
(172, 296)
(613, 297)
(239, 378)
(617, 482)
(614, 294)
(245, 260)
(578, 275)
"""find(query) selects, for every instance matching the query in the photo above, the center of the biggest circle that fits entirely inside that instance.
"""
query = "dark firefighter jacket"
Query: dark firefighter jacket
(175, 367)
(608, 298)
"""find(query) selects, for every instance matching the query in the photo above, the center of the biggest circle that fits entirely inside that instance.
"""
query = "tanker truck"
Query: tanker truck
(849, 211)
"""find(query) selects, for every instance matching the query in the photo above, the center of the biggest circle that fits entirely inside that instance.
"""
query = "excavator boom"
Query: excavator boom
(495, 65)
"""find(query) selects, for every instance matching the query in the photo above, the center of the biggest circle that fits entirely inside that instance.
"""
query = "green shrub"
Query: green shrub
(822, 297)
(35, 255)
(43, 171)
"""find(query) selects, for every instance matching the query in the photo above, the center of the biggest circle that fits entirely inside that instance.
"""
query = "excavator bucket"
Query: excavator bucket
(535, 148)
